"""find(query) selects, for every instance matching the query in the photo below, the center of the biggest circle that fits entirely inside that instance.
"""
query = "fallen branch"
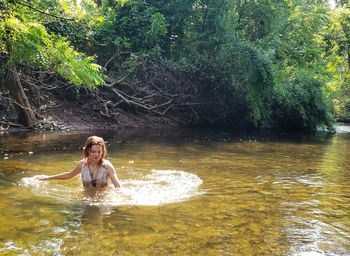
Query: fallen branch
(12, 124)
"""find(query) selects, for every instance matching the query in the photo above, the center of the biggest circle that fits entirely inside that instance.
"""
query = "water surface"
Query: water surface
(186, 192)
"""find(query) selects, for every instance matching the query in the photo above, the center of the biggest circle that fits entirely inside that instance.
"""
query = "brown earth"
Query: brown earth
(84, 110)
(80, 117)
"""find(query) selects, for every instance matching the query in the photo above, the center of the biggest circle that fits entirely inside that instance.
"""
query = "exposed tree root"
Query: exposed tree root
(159, 93)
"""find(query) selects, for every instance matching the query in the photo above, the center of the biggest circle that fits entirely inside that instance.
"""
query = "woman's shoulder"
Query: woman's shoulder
(107, 163)
(82, 162)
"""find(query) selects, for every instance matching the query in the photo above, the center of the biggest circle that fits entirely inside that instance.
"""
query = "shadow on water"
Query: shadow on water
(31, 142)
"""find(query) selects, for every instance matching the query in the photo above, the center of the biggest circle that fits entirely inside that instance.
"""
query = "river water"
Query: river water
(186, 192)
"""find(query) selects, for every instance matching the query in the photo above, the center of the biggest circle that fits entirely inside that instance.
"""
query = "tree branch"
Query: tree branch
(42, 12)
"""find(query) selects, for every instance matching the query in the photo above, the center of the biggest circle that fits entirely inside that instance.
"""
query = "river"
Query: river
(185, 192)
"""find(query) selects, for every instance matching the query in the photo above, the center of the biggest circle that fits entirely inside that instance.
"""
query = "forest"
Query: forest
(222, 63)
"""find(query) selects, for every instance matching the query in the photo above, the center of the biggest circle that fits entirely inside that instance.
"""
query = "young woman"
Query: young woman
(94, 169)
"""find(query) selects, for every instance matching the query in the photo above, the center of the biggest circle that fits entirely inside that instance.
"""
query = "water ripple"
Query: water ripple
(156, 188)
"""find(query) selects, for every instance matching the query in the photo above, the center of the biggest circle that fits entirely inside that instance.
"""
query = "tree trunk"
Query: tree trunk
(24, 111)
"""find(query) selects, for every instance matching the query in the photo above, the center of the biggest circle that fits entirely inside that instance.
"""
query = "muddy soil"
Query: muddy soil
(83, 110)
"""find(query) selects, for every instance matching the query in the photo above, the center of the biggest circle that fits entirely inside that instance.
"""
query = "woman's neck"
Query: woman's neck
(93, 163)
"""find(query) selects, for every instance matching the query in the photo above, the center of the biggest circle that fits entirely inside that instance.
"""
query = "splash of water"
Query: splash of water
(156, 188)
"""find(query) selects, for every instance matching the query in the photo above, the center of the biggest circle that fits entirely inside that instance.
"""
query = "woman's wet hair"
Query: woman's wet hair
(95, 140)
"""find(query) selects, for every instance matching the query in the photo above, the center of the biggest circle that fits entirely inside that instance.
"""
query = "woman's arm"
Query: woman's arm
(65, 175)
(113, 175)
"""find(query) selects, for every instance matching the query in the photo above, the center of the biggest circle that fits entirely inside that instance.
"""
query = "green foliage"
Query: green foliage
(158, 28)
(341, 2)
(75, 31)
(28, 42)
(140, 23)
(256, 18)
(68, 63)
(249, 72)
(32, 45)
(129, 27)
(300, 103)
(232, 44)
(80, 26)
(252, 61)
(290, 38)
(302, 47)
(336, 45)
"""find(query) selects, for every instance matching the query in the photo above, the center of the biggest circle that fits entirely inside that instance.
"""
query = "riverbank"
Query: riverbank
(85, 111)
(70, 109)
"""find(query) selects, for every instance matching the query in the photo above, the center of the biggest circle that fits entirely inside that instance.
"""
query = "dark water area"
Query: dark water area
(186, 192)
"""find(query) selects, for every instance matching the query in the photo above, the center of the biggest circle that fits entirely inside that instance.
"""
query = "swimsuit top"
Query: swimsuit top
(100, 181)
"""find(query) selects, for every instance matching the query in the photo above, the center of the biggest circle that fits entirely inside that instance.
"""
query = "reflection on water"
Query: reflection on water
(342, 128)
(185, 193)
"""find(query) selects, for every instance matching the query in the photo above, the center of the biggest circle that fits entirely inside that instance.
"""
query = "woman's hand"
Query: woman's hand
(42, 177)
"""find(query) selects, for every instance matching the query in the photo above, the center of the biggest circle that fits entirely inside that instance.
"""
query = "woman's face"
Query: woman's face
(95, 153)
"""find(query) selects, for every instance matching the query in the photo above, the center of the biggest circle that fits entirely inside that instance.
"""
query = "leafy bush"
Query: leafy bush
(248, 72)
(32, 45)
(300, 103)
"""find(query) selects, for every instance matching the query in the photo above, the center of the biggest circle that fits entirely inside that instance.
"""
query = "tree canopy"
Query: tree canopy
(238, 63)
